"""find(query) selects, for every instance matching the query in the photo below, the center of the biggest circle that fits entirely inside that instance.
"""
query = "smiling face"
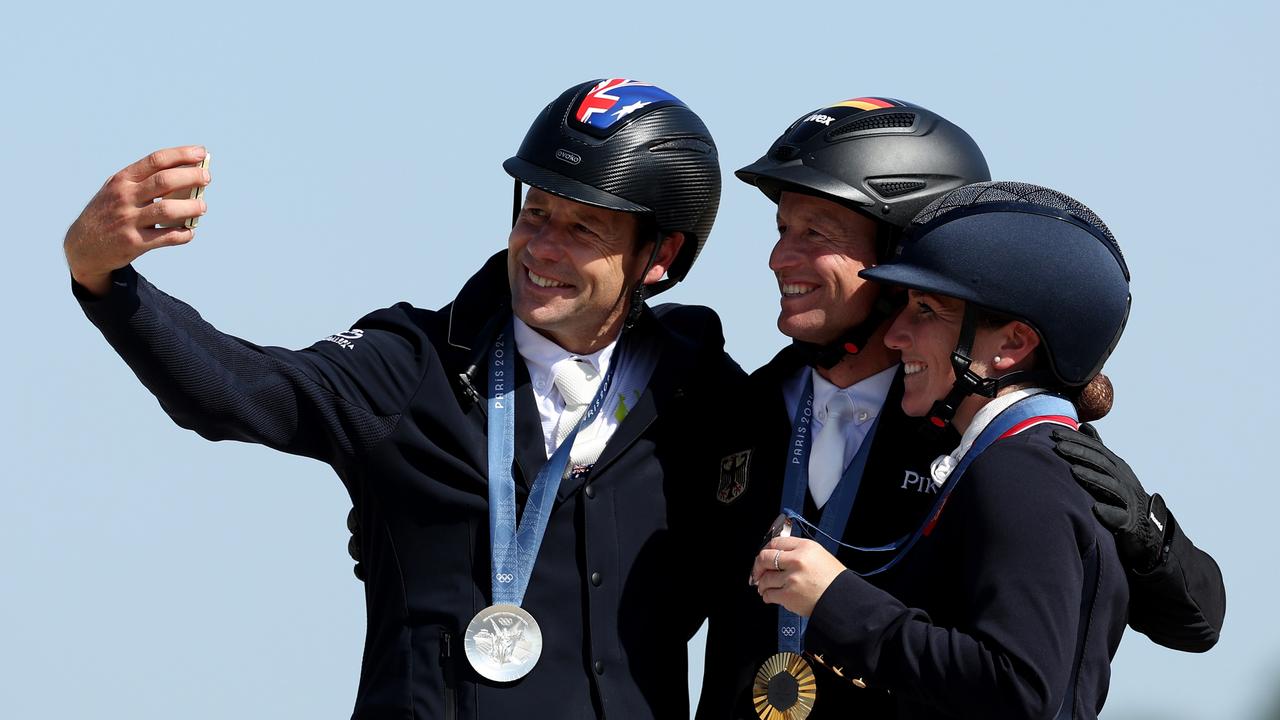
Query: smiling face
(571, 266)
(926, 333)
(820, 250)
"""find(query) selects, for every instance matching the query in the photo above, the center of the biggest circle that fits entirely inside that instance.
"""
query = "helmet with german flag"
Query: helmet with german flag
(882, 157)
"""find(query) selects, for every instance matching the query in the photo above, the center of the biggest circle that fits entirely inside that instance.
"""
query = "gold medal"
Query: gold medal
(784, 688)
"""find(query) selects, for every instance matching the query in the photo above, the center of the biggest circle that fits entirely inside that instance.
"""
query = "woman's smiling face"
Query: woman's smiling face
(925, 332)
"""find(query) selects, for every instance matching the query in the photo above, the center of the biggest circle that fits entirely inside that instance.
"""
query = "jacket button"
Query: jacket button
(599, 667)
(595, 579)
(589, 491)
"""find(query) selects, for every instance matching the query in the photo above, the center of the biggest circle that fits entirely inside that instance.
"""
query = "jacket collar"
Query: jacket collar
(481, 307)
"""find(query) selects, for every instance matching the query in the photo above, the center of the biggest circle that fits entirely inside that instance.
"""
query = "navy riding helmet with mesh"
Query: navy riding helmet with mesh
(881, 157)
(1028, 252)
(629, 146)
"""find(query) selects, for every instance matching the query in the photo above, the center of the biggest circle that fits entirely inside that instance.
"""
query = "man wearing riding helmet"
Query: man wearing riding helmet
(847, 179)
(496, 541)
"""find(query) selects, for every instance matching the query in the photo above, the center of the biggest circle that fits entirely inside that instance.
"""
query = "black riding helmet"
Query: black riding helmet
(1027, 252)
(630, 146)
(883, 158)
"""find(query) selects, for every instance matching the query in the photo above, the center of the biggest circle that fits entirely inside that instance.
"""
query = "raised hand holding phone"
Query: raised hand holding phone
(146, 205)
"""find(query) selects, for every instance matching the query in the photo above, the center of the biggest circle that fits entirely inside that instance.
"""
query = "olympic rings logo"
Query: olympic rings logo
(789, 631)
(505, 577)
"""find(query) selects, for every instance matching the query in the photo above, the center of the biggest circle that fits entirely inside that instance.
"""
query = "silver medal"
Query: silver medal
(503, 642)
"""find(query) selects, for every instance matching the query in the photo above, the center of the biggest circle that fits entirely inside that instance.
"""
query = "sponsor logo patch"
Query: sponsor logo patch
(347, 339)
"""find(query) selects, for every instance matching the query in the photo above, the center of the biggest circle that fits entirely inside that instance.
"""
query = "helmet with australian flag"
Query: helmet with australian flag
(629, 146)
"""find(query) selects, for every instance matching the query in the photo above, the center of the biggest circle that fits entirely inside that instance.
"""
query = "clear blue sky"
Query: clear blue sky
(151, 574)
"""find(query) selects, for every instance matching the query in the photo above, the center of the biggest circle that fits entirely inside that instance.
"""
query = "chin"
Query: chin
(538, 317)
(795, 327)
(915, 407)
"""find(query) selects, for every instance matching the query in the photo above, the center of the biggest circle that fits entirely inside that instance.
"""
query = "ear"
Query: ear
(1017, 343)
(667, 255)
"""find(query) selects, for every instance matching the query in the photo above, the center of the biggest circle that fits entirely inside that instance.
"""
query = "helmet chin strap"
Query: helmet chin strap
(849, 342)
(967, 381)
(516, 202)
(640, 292)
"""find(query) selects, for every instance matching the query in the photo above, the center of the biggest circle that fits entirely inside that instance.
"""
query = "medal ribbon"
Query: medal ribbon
(514, 548)
(1026, 413)
(835, 513)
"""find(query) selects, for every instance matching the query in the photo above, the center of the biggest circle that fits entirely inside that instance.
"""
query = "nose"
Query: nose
(898, 337)
(546, 243)
(784, 255)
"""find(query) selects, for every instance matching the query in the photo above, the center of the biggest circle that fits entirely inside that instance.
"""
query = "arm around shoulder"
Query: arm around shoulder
(1182, 602)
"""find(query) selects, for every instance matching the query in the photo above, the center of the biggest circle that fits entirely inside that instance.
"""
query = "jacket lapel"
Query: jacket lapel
(476, 315)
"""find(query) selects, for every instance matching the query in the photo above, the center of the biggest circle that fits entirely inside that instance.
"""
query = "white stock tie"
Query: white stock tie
(826, 462)
(577, 382)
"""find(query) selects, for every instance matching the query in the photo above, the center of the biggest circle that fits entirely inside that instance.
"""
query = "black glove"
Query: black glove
(1123, 507)
(353, 545)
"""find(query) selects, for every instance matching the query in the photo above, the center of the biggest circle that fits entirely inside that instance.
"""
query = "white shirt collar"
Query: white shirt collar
(541, 355)
(943, 466)
(869, 392)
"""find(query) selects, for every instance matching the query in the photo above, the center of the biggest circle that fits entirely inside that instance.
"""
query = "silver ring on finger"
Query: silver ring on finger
(776, 556)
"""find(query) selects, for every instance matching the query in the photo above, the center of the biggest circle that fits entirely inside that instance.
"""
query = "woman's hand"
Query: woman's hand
(794, 572)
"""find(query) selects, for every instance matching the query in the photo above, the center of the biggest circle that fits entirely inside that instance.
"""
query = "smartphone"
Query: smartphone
(194, 193)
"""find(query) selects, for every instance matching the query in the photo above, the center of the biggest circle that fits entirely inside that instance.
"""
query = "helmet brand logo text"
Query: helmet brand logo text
(819, 117)
(570, 157)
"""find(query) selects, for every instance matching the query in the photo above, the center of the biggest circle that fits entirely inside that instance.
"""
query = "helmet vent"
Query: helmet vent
(894, 188)
(783, 153)
(875, 122)
(693, 144)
